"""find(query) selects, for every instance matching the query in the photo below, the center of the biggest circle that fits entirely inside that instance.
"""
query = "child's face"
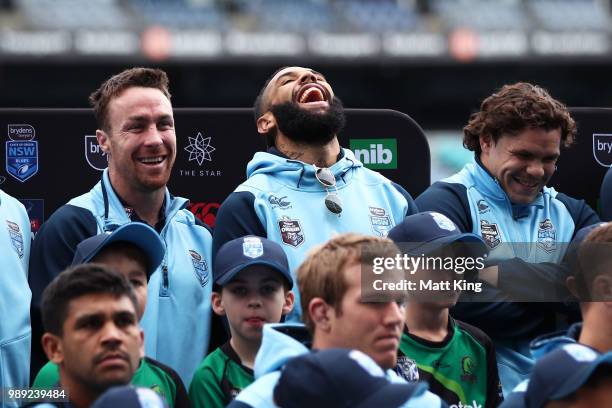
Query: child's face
(254, 297)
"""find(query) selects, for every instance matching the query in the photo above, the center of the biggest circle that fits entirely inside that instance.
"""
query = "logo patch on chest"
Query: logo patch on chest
(199, 267)
(291, 232)
(547, 236)
(490, 233)
(407, 369)
(380, 221)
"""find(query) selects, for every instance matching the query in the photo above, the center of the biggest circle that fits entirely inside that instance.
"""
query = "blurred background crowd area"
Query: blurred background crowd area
(432, 59)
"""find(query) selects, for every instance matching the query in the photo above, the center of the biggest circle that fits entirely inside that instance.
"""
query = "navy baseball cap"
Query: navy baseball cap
(339, 378)
(562, 372)
(136, 233)
(426, 232)
(128, 396)
(237, 254)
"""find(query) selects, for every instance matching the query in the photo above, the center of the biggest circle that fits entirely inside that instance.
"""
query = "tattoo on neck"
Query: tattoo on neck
(290, 153)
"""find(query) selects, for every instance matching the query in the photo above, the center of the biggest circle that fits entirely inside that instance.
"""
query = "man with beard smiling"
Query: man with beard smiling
(136, 131)
(305, 187)
(502, 196)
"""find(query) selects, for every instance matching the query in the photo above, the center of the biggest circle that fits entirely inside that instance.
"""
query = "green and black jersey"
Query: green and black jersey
(219, 378)
(460, 368)
(150, 374)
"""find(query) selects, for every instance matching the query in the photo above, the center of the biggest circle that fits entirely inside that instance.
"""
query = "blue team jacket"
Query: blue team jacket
(526, 242)
(177, 318)
(283, 201)
(475, 201)
(15, 295)
(276, 350)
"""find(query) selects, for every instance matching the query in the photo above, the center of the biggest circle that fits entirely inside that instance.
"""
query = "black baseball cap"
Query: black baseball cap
(249, 250)
(136, 233)
(340, 378)
(426, 232)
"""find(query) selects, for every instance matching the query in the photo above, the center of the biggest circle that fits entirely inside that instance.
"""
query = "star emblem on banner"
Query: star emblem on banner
(199, 148)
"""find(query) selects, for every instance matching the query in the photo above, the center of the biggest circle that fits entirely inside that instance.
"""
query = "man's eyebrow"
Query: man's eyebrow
(87, 317)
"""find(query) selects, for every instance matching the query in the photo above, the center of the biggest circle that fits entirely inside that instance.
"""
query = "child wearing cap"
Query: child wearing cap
(135, 250)
(456, 359)
(252, 287)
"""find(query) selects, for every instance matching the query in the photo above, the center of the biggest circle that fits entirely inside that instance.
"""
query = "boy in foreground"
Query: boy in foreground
(252, 287)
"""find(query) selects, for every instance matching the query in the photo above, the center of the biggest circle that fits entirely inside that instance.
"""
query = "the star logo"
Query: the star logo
(199, 148)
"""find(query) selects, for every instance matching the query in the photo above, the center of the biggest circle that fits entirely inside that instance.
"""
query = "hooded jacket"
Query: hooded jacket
(527, 242)
(15, 295)
(177, 318)
(276, 350)
(283, 201)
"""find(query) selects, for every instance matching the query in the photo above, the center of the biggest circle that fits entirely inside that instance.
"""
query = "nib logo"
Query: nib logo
(199, 148)
(375, 153)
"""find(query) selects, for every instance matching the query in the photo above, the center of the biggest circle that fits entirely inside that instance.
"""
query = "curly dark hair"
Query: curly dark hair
(515, 108)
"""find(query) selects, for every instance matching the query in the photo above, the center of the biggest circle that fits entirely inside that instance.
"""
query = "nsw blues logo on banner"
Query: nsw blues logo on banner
(21, 152)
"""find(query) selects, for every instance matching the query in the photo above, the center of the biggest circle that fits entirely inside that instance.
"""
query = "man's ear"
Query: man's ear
(289, 301)
(570, 282)
(265, 123)
(52, 345)
(486, 143)
(103, 140)
(321, 314)
(217, 304)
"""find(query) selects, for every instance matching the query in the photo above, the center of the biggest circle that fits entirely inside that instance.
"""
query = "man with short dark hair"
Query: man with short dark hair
(15, 295)
(502, 195)
(305, 187)
(136, 131)
(91, 331)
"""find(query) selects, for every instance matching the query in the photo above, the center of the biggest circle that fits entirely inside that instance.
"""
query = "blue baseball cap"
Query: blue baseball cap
(136, 233)
(428, 231)
(128, 396)
(237, 254)
(562, 372)
(339, 378)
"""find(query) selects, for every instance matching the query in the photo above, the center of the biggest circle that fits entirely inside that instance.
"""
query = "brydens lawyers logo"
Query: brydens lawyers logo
(602, 148)
(199, 149)
(21, 152)
(375, 153)
(95, 156)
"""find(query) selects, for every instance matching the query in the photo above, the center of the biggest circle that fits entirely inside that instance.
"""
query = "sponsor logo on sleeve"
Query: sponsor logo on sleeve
(16, 237)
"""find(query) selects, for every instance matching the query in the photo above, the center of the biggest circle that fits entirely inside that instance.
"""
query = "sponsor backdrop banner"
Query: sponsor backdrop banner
(51, 155)
(582, 166)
